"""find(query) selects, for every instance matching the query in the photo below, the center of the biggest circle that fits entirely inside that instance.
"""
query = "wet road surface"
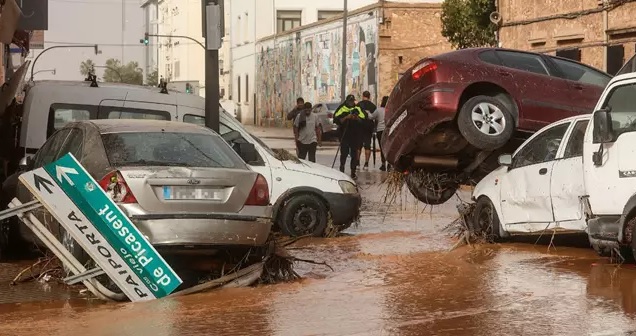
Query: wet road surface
(392, 276)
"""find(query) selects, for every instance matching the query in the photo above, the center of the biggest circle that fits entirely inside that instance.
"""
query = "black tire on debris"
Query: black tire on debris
(491, 128)
(486, 221)
(303, 215)
(428, 193)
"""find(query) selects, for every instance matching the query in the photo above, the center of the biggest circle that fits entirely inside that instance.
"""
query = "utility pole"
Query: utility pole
(343, 79)
(212, 15)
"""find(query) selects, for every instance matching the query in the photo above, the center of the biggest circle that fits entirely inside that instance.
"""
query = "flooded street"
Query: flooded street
(392, 276)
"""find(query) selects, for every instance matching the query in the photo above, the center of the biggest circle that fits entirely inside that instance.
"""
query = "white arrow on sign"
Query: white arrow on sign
(62, 172)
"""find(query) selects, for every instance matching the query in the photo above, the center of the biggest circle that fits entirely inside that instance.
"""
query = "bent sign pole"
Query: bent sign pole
(78, 203)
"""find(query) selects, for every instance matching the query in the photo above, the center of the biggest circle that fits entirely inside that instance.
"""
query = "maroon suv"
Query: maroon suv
(452, 113)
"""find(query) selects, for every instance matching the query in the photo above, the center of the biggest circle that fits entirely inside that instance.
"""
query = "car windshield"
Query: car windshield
(169, 149)
(620, 101)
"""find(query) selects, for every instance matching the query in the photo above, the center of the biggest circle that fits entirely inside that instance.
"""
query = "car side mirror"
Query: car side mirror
(247, 152)
(505, 160)
(603, 131)
(25, 163)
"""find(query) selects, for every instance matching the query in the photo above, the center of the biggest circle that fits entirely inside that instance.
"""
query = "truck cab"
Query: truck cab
(609, 164)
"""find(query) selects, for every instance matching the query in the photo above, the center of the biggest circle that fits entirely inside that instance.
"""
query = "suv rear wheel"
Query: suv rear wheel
(485, 122)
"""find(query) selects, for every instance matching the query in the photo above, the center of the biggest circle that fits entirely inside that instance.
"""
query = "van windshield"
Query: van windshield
(620, 101)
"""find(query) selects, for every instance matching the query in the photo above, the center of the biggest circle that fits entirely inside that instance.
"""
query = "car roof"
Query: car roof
(105, 126)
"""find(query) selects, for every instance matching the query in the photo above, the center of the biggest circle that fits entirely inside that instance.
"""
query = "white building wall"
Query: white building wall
(151, 52)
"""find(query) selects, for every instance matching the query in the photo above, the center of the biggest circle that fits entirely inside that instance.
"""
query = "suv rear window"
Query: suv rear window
(170, 149)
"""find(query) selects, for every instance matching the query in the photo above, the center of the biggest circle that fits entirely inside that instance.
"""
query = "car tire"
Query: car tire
(485, 220)
(426, 194)
(485, 122)
(303, 215)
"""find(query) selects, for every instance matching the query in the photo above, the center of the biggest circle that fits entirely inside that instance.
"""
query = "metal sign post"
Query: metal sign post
(94, 221)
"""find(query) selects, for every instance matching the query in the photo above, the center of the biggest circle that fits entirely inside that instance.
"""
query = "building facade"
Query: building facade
(601, 33)
(383, 40)
(151, 26)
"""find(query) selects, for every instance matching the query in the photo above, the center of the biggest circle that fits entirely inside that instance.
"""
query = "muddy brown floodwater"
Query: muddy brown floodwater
(391, 276)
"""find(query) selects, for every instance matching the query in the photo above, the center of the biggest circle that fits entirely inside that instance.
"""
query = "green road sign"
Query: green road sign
(114, 225)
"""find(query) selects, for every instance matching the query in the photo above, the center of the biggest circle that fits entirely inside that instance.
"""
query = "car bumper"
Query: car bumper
(203, 229)
(425, 110)
(344, 208)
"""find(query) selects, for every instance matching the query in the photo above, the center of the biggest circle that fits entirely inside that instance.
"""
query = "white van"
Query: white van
(307, 197)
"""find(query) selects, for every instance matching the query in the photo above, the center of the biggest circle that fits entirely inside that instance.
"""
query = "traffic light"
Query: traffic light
(145, 40)
(188, 88)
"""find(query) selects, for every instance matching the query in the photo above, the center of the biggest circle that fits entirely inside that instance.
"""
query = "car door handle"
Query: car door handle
(543, 171)
(503, 73)
(578, 86)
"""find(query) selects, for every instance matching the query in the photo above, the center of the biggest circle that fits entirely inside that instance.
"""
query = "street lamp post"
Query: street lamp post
(343, 75)
(48, 70)
(62, 46)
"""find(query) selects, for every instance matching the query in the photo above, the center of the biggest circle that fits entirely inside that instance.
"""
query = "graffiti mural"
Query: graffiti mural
(309, 64)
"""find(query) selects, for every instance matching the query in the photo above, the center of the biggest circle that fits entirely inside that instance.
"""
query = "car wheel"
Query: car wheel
(304, 215)
(486, 221)
(485, 122)
(430, 193)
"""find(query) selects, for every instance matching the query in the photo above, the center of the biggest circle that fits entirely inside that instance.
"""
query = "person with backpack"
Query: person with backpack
(307, 133)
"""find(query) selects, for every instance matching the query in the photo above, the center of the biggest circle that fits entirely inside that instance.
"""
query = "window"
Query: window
(51, 148)
(524, 62)
(580, 73)
(238, 86)
(623, 111)
(194, 119)
(324, 15)
(62, 114)
(247, 88)
(575, 144)
(287, 20)
(541, 149)
(490, 57)
(573, 54)
(125, 113)
(615, 58)
(169, 149)
(177, 69)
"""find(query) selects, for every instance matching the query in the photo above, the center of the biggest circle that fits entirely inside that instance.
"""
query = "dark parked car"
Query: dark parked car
(453, 113)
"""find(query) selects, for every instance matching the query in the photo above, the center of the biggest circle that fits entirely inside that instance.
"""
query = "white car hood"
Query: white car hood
(312, 168)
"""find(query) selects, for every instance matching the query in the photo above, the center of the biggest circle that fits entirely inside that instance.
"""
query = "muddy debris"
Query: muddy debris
(285, 155)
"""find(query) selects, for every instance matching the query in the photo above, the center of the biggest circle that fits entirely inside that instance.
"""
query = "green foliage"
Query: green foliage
(466, 23)
(130, 73)
(86, 67)
(152, 79)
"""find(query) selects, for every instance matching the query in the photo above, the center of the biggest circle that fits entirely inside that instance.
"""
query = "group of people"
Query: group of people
(357, 122)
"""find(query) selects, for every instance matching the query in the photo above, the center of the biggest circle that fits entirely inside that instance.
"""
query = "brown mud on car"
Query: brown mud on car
(451, 115)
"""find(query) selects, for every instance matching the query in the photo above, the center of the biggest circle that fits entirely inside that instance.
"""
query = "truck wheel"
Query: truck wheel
(486, 221)
(485, 122)
(303, 215)
(431, 193)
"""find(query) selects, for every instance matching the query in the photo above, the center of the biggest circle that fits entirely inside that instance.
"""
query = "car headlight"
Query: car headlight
(348, 187)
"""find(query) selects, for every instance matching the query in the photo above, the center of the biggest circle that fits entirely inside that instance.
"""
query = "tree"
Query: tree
(466, 23)
(152, 79)
(86, 67)
(130, 73)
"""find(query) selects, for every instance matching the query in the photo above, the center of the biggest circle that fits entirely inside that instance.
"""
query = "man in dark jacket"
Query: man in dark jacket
(369, 127)
(291, 115)
(350, 120)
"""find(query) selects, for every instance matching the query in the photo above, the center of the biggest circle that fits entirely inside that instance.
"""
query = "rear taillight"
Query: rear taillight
(116, 188)
(423, 69)
(329, 115)
(259, 195)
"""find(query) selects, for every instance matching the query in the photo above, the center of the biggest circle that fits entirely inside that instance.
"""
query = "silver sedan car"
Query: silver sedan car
(324, 112)
(181, 184)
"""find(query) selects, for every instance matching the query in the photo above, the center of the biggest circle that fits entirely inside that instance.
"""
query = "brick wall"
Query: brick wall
(548, 26)
(408, 33)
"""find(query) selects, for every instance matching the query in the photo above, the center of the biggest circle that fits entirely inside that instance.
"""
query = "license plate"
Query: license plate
(171, 193)
(398, 121)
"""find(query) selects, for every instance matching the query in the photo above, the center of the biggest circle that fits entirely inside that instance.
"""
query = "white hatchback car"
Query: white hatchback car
(538, 188)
